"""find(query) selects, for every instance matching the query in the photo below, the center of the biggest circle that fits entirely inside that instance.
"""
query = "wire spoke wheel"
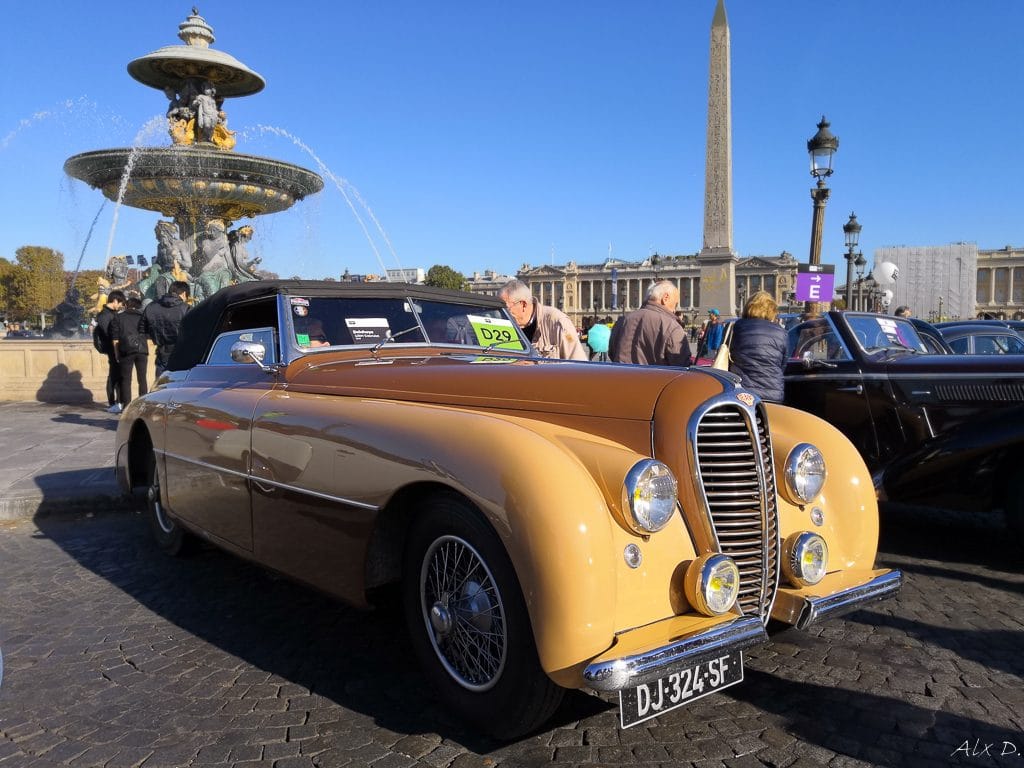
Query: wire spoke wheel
(464, 613)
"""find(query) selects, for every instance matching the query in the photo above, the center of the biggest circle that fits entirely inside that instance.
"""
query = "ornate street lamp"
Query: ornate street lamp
(821, 147)
(860, 262)
(851, 232)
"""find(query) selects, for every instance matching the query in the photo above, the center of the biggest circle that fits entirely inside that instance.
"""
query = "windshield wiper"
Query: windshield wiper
(391, 337)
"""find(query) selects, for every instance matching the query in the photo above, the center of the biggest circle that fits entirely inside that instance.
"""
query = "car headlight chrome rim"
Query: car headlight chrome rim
(712, 584)
(804, 559)
(649, 493)
(805, 473)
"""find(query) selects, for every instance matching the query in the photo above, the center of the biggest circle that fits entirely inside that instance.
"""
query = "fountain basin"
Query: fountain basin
(195, 181)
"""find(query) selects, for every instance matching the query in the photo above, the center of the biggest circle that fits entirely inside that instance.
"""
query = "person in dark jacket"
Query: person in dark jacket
(758, 348)
(652, 335)
(131, 348)
(104, 343)
(162, 319)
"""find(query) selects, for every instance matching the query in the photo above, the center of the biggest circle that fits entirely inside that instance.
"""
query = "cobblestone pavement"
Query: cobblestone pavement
(116, 655)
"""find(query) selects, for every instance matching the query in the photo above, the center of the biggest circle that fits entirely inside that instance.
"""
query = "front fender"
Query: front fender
(847, 502)
(540, 499)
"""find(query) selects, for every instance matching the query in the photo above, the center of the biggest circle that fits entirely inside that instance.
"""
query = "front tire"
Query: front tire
(469, 626)
(172, 539)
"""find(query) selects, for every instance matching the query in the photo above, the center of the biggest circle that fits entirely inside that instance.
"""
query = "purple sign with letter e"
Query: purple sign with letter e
(815, 282)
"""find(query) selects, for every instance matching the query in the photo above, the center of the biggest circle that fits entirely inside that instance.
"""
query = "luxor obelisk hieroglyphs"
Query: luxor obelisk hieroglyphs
(717, 258)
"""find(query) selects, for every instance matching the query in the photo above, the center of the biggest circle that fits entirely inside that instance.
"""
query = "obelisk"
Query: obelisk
(717, 259)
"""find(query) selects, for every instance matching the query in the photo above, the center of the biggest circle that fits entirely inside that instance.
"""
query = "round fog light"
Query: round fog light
(632, 555)
(712, 584)
(804, 559)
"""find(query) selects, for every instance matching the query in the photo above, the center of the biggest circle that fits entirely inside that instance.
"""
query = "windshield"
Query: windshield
(321, 322)
(880, 332)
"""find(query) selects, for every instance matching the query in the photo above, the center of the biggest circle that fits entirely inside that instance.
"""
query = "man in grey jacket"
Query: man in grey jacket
(652, 335)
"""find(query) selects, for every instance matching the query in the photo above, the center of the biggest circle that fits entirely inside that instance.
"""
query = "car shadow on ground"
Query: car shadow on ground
(360, 660)
(948, 536)
(825, 715)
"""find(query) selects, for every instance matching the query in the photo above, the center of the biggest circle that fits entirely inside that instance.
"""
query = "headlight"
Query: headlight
(649, 492)
(804, 559)
(805, 473)
(712, 584)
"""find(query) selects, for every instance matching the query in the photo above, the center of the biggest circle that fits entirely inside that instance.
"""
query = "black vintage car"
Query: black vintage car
(940, 429)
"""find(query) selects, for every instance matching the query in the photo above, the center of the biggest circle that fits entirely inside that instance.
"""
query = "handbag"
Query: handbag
(722, 356)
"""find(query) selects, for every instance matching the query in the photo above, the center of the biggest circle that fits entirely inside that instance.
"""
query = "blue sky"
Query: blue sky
(486, 135)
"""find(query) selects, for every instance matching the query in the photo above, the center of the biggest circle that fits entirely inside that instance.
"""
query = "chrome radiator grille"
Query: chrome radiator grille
(738, 480)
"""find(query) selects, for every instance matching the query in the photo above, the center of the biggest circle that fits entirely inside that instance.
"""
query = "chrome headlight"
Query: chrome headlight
(805, 473)
(649, 492)
(804, 559)
(712, 584)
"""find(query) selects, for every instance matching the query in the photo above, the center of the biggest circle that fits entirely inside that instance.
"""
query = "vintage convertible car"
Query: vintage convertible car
(940, 429)
(551, 524)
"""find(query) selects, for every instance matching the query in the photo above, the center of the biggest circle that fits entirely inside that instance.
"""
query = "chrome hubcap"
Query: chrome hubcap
(463, 613)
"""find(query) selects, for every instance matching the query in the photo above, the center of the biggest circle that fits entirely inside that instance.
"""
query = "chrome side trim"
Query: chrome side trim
(802, 611)
(274, 483)
(617, 674)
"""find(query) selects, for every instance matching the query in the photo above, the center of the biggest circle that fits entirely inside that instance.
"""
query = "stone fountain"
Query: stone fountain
(199, 181)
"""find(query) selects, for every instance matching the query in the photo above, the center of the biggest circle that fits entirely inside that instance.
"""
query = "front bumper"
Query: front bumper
(832, 597)
(614, 674)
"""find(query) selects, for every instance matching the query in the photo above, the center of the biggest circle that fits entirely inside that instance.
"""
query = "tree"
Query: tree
(441, 276)
(42, 284)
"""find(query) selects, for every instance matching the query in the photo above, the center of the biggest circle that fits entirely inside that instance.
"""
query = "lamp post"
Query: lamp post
(860, 262)
(820, 147)
(851, 233)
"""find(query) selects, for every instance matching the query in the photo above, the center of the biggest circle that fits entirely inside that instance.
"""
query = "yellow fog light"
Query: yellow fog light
(804, 559)
(712, 584)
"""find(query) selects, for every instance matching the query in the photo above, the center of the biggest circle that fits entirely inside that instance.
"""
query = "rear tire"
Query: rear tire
(468, 623)
(172, 539)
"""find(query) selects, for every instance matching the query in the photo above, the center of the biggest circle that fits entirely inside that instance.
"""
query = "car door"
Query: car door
(208, 439)
(823, 376)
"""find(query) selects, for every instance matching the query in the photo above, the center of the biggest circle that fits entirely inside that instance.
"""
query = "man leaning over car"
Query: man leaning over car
(550, 330)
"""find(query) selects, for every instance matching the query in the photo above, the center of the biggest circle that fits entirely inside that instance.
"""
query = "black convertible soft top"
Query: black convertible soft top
(200, 324)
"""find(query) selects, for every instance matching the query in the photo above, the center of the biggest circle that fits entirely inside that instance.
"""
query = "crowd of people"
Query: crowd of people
(123, 331)
(655, 334)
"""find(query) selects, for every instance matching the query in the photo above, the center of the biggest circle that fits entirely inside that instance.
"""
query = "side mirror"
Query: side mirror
(248, 352)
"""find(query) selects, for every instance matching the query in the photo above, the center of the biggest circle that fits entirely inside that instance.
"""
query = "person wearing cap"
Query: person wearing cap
(652, 335)
(714, 331)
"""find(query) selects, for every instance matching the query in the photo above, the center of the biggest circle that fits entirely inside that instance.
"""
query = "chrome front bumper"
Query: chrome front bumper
(802, 611)
(617, 674)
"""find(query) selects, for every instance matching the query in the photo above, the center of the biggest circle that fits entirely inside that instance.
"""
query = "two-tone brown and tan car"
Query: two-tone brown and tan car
(552, 524)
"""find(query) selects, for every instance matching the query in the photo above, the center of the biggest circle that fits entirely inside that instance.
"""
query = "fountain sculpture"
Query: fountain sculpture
(199, 181)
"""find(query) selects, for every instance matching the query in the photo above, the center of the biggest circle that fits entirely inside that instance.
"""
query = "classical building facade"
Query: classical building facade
(999, 290)
(613, 287)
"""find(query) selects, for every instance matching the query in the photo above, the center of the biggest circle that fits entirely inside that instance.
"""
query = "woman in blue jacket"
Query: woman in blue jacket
(757, 350)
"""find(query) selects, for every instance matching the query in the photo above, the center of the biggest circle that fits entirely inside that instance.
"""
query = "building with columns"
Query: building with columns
(613, 287)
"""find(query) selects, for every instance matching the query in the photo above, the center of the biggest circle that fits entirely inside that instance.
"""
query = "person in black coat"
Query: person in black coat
(131, 348)
(758, 348)
(104, 344)
(162, 319)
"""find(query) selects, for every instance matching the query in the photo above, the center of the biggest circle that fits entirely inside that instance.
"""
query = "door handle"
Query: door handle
(859, 389)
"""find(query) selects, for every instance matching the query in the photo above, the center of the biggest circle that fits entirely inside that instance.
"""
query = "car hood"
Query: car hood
(507, 383)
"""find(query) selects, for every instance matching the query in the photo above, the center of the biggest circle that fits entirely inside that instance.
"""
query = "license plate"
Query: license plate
(647, 700)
